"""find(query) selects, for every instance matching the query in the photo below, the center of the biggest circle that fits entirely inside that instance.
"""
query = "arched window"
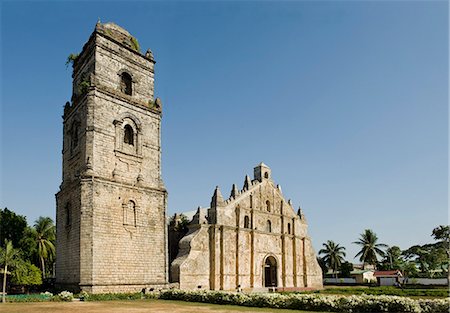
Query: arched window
(246, 222)
(289, 228)
(126, 83)
(266, 175)
(268, 205)
(269, 226)
(128, 135)
(130, 213)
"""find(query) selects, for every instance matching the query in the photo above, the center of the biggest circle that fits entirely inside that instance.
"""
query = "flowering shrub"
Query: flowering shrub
(84, 296)
(47, 294)
(63, 296)
(313, 302)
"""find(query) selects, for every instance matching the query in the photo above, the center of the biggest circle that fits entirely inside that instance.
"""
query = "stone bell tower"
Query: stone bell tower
(111, 206)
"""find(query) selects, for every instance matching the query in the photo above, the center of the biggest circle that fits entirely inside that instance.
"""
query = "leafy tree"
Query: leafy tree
(12, 227)
(27, 274)
(346, 269)
(28, 247)
(333, 255)
(9, 257)
(44, 233)
(370, 249)
(410, 269)
(442, 235)
(430, 258)
(392, 259)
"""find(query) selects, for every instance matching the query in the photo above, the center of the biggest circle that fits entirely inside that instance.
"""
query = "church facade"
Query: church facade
(111, 222)
(252, 240)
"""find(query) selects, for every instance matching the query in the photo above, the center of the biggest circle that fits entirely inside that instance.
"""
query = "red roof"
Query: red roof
(395, 273)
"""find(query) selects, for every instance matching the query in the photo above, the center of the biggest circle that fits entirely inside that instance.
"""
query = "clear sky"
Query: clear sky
(347, 102)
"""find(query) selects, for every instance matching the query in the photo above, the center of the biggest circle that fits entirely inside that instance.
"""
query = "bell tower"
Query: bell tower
(111, 206)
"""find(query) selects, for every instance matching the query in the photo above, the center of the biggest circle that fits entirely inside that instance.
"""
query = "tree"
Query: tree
(12, 227)
(44, 234)
(27, 274)
(28, 247)
(432, 258)
(9, 257)
(346, 269)
(392, 259)
(333, 255)
(442, 234)
(370, 249)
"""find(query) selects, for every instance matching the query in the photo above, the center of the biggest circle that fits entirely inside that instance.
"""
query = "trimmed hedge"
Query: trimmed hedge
(28, 298)
(313, 302)
(119, 296)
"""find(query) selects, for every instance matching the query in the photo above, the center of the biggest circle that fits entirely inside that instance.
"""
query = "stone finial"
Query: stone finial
(234, 191)
(149, 55)
(199, 217)
(247, 182)
(279, 188)
(217, 199)
(290, 202)
(158, 104)
(66, 108)
(300, 213)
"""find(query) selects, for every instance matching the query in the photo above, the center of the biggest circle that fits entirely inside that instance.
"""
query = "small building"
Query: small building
(388, 278)
(363, 276)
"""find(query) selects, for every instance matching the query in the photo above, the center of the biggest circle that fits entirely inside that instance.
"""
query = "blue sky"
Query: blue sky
(347, 102)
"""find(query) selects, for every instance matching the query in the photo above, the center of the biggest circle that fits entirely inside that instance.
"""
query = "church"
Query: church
(111, 207)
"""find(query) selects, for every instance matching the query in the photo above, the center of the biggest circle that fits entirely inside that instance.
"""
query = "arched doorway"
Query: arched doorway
(270, 272)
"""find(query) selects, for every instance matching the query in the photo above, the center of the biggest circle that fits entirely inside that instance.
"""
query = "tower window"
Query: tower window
(68, 212)
(269, 226)
(289, 228)
(246, 222)
(126, 84)
(268, 205)
(130, 213)
(266, 175)
(128, 136)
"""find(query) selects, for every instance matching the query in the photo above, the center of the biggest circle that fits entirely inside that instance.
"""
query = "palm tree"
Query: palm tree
(370, 249)
(333, 255)
(9, 257)
(44, 234)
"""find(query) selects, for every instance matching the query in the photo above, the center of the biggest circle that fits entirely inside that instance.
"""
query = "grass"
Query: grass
(135, 306)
